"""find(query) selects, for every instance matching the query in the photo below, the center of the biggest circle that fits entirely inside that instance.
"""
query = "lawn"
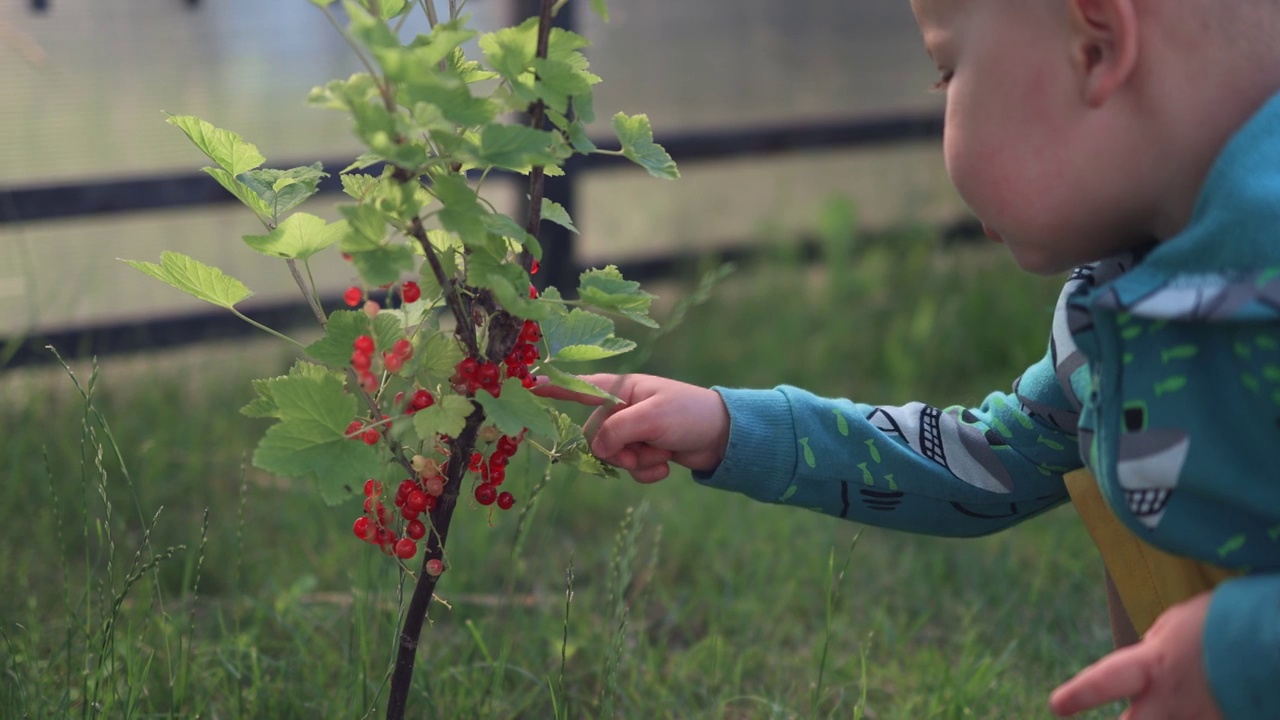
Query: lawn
(153, 573)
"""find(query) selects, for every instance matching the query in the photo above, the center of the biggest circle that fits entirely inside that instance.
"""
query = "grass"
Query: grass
(191, 585)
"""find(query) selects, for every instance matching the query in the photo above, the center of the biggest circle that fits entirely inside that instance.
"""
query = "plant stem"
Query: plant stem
(424, 590)
(308, 291)
(264, 328)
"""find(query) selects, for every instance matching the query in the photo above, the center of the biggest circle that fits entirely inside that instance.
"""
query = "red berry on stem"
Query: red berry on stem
(353, 430)
(533, 268)
(370, 436)
(360, 361)
(497, 475)
(434, 487)
(506, 500)
(368, 382)
(415, 529)
(363, 528)
(403, 348)
(363, 344)
(353, 296)
(406, 548)
(371, 308)
(410, 291)
(434, 567)
(372, 487)
(422, 400)
(416, 501)
(392, 362)
(485, 493)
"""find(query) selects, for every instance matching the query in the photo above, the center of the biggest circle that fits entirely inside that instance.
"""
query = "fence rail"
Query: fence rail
(49, 203)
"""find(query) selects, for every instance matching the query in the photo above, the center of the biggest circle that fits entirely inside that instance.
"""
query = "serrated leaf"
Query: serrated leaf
(636, 136)
(503, 225)
(576, 327)
(600, 6)
(194, 278)
(563, 379)
(509, 284)
(559, 79)
(446, 417)
(371, 31)
(608, 290)
(588, 463)
(336, 346)
(516, 408)
(309, 440)
(227, 149)
(358, 185)
(241, 191)
(439, 354)
(366, 228)
(366, 159)
(553, 211)
(283, 190)
(582, 353)
(510, 51)
(515, 146)
(383, 265)
(300, 236)
(388, 9)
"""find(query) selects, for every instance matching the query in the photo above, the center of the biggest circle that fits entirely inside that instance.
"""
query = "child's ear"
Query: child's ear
(1104, 45)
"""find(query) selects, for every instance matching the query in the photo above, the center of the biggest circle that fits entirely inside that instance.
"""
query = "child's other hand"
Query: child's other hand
(1162, 675)
(659, 421)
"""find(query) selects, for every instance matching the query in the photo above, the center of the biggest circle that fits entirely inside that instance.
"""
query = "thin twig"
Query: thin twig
(307, 292)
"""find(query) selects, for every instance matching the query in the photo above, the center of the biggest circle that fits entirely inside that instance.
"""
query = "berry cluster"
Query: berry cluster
(393, 360)
(354, 295)
(471, 375)
(493, 471)
(414, 497)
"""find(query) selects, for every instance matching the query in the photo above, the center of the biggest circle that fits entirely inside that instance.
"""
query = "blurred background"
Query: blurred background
(85, 85)
(152, 572)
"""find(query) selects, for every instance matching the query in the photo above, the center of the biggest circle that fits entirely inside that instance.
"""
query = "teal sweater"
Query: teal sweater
(1162, 377)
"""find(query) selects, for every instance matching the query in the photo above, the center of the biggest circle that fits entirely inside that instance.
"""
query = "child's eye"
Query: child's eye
(943, 81)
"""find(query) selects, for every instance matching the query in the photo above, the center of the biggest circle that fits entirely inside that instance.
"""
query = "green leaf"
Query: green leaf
(194, 278)
(608, 290)
(283, 190)
(576, 327)
(462, 214)
(383, 265)
(553, 211)
(371, 31)
(516, 409)
(309, 441)
(388, 9)
(358, 185)
(336, 346)
(366, 228)
(265, 404)
(327, 3)
(636, 137)
(559, 79)
(224, 147)
(563, 379)
(607, 348)
(515, 146)
(446, 417)
(439, 355)
(600, 6)
(510, 51)
(299, 237)
(510, 285)
(503, 225)
(242, 192)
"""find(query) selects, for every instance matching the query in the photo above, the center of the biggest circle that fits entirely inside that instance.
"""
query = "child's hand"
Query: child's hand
(1162, 675)
(659, 421)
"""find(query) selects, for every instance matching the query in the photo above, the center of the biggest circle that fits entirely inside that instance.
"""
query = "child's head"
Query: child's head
(1077, 129)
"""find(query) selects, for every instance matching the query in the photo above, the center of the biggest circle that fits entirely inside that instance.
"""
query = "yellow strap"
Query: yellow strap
(1149, 580)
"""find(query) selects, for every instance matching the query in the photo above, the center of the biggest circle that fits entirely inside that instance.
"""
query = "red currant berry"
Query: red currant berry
(533, 292)
(409, 513)
(360, 361)
(415, 529)
(410, 291)
(528, 382)
(406, 548)
(353, 296)
(432, 502)
(434, 487)
(368, 382)
(528, 354)
(533, 268)
(497, 475)
(392, 362)
(370, 436)
(363, 344)
(372, 487)
(467, 367)
(476, 459)
(506, 500)
(371, 308)
(485, 493)
(353, 430)
(487, 374)
(363, 528)
(403, 348)
(434, 567)
(346, 256)
(530, 332)
(416, 501)
(422, 400)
